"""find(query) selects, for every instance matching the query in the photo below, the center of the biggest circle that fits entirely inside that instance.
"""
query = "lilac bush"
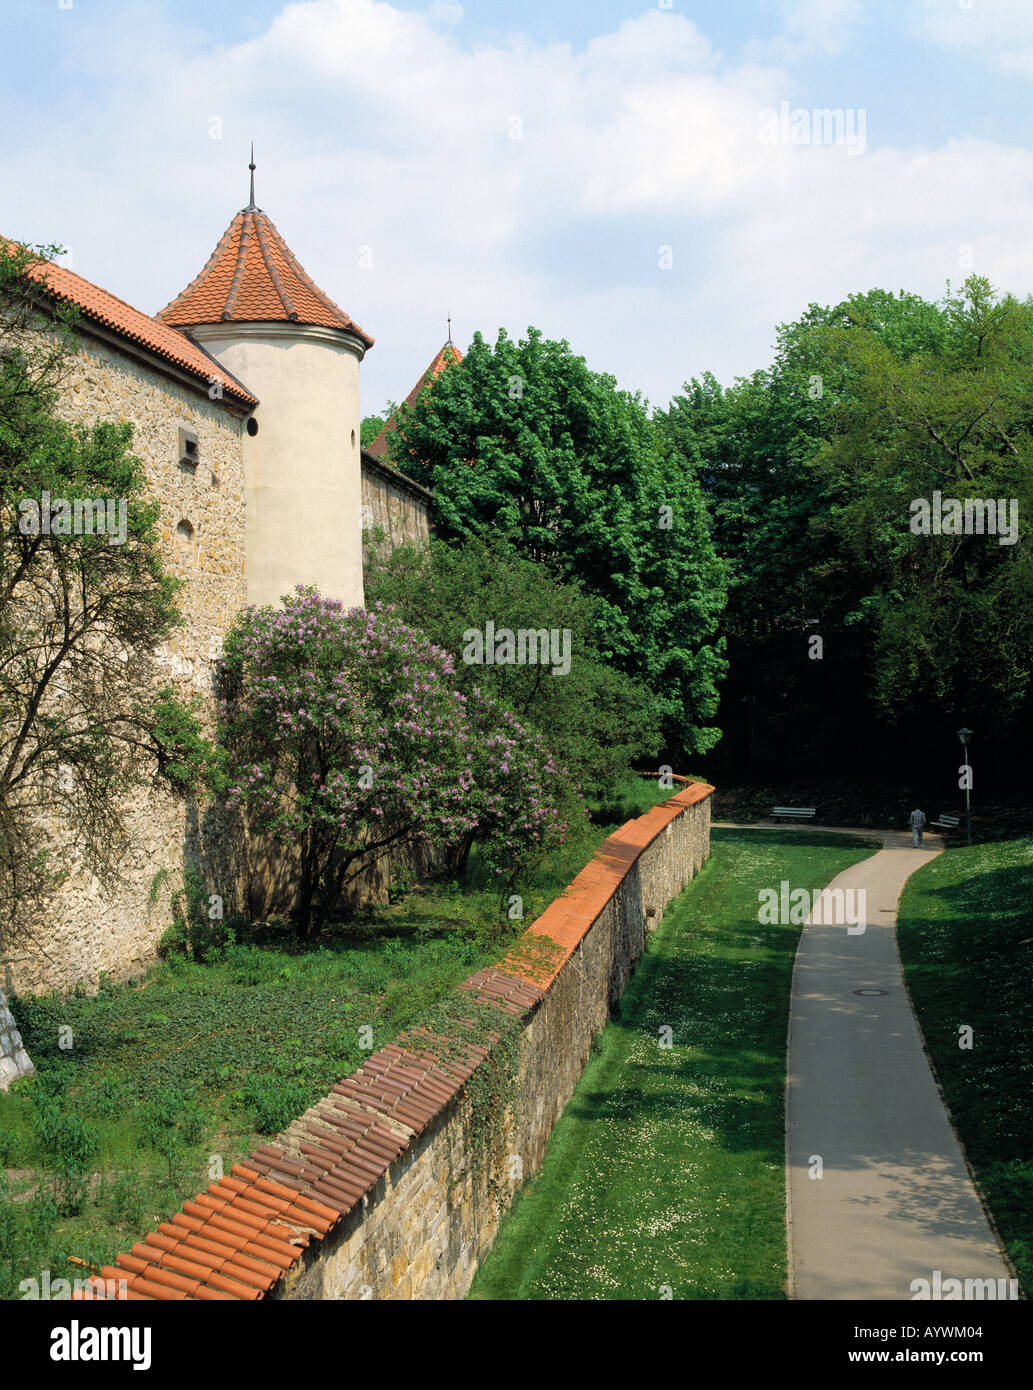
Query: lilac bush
(521, 799)
(343, 734)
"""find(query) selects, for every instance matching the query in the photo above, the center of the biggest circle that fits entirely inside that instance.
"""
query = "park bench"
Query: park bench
(946, 823)
(796, 812)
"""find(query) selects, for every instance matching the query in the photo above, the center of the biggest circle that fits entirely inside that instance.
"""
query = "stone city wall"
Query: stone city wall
(395, 503)
(91, 928)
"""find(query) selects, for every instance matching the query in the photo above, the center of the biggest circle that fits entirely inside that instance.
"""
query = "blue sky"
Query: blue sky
(600, 170)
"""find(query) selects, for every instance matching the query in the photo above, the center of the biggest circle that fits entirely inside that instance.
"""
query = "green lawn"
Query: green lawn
(142, 1085)
(965, 930)
(665, 1176)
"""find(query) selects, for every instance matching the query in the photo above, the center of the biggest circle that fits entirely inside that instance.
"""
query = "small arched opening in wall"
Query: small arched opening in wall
(186, 543)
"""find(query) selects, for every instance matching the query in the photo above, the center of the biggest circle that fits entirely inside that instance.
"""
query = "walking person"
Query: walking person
(916, 820)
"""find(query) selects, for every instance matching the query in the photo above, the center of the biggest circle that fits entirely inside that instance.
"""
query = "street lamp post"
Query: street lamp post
(965, 735)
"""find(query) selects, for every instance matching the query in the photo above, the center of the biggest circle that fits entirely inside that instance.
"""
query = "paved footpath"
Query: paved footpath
(895, 1201)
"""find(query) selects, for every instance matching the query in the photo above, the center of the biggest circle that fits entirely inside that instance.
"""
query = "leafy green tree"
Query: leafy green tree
(809, 470)
(83, 714)
(594, 718)
(522, 439)
(373, 424)
(950, 613)
(756, 444)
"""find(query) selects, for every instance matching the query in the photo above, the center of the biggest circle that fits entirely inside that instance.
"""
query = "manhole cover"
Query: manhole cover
(868, 992)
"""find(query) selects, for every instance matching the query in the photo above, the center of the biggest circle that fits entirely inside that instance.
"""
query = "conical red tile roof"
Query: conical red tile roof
(448, 354)
(254, 276)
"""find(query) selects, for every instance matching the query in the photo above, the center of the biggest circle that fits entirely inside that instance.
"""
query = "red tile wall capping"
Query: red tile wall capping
(569, 917)
(238, 1239)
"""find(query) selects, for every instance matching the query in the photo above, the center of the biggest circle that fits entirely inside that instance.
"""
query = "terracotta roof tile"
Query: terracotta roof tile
(444, 358)
(152, 1289)
(134, 325)
(252, 276)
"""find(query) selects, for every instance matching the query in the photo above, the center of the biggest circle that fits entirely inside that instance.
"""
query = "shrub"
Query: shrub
(8, 1149)
(249, 965)
(111, 1096)
(194, 932)
(68, 1144)
(595, 719)
(172, 1119)
(26, 1234)
(344, 733)
(523, 802)
(124, 1199)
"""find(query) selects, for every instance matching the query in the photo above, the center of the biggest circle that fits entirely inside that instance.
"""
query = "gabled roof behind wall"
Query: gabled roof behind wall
(445, 357)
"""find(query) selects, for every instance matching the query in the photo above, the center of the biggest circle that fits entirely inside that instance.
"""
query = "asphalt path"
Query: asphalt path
(879, 1195)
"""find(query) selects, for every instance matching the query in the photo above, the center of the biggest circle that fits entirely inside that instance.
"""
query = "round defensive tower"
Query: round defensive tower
(257, 312)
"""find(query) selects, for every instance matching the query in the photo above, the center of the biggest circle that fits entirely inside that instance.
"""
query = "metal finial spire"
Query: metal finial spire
(449, 343)
(251, 166)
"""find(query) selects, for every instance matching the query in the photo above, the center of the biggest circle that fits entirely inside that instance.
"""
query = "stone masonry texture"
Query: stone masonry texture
(14, 1060)
(394, 503)
(92, 927)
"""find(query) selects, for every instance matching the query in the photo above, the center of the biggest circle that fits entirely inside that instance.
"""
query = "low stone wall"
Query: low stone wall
(419, 1234)
(372, 1193)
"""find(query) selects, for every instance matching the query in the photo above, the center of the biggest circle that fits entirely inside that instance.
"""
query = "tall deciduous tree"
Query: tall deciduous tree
(948, 586)
(596, 720)
(373, 424)
(521, 438)
(809, 469)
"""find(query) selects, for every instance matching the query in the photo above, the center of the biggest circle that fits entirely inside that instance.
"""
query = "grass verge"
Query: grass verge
(665, 1176)
(146, 1088)
(965, 931)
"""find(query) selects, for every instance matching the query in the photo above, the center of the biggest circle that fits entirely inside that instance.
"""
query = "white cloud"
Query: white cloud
(512, 183)
(812, 27)
(445, 12)
(889, 220)
(1001, 31)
